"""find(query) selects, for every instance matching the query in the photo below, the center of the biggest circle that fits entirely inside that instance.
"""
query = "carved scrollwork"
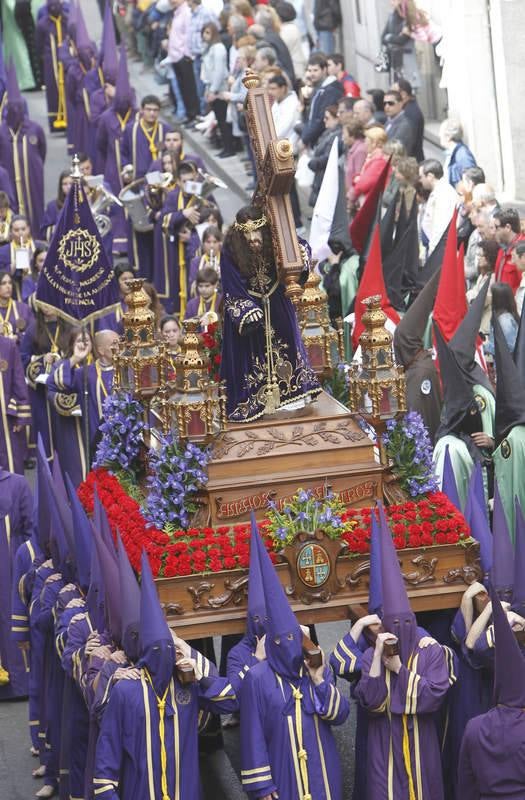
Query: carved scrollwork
(172, 609)
(354, 578)
(198, 591)
(425, 573)
(470, 572)
(236, 592)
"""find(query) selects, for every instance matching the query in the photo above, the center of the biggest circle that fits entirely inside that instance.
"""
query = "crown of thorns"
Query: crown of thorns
(251, 224)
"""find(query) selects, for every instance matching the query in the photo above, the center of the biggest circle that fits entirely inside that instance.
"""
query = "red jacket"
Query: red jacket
(351, 87)
(367, 179)
(505, 271)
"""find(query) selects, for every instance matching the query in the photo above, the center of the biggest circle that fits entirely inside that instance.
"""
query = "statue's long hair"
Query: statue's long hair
(235, 241)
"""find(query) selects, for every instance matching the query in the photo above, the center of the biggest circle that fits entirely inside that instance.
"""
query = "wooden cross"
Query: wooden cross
(275, 175)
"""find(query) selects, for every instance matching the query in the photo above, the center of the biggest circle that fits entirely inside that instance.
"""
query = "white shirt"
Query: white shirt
(285, 114)
(438, 212)
(519, 297)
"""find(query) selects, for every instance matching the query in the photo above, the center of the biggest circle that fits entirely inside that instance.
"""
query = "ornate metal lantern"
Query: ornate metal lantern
(198, 405)
(140, 360)
(324, 345)
(377, 386)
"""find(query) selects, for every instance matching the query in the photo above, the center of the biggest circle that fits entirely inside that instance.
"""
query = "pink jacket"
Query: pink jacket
(355, 158)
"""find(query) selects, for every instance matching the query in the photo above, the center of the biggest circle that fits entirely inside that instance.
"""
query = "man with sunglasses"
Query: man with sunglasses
(397, 123)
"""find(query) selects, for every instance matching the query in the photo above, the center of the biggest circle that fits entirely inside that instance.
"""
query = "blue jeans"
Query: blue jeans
(197, 63)
(326, 42)
(181, 108)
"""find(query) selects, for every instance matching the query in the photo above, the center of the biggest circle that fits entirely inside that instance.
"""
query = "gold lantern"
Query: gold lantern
(324, 345)
(377, 386)
(140, 360)
(198, 405)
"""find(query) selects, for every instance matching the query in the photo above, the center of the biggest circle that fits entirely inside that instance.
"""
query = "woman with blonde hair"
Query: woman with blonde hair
(375, 161)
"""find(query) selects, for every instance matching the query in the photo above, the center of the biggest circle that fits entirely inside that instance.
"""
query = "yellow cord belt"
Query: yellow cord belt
(161, 705)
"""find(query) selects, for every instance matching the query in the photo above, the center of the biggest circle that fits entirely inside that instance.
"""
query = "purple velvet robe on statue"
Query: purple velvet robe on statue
(15, 408)
(401, 708)
(15, 526)
(243, 365)
(49, 36)
(126, 762)
(27, 176)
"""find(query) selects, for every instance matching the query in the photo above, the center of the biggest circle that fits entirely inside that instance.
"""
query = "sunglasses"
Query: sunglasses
(390, 103)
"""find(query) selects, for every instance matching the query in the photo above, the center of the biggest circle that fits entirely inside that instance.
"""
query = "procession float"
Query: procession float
(181, 481)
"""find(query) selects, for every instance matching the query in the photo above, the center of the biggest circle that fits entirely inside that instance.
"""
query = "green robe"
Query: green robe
(348, 282)
(461, 460)
(15, 46)
(509, 471)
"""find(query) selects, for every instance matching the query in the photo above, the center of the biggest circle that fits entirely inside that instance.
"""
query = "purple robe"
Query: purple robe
(43, 413)
(492, 757)
(66, 57)
(69, 432)
(27, 558)
(38, 651)
(49, 37)
(6, 185)
(241, 658)
(109, 161)
(99, 383)
(49, 220)
(15, 526)
(26, 170)
(168, 268)
(192, 309)
(18, 316)
(124, 754)
(243, 364)
(79, 123)
(401, 709)
(15, 407)
(137, 151)
(92, 83)
(269, 748)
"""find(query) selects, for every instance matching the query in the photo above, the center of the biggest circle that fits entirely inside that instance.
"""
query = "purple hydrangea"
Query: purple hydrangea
(121, 430)
(409, 448)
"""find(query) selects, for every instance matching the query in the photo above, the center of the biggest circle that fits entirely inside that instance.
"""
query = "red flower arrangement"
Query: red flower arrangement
(432, 521)
(211, 340)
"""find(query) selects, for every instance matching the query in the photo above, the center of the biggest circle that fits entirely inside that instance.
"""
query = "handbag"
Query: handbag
(382, 62)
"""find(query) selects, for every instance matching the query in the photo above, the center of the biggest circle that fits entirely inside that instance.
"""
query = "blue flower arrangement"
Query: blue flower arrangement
(178, 472)
(408, 445)
(306, 512)
(122, 429)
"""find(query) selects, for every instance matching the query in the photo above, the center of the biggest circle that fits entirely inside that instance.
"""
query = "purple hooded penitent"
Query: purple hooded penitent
(398, 617)
(95, 599)
(476, 493)
(449, 486)
(83, 533)
(284, 638)
(256, 623)
(101, 523)
(111, 579)
(129, 605)
(375, 592)
(61, 551)
(480, 530)
(502, 573)
(157, 649)
(15, 108)
(108, 58)
(43, 476)
(518, 589)
(509, 671)
(123, 99)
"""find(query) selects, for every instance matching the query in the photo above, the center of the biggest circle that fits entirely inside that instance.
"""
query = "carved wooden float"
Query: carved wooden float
(321, 582)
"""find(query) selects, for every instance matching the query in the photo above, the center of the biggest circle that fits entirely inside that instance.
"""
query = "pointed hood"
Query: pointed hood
(85, 46)
(476, 492)
(460, 413)
(451, 299)
(449, 486)
(502, 573)
(156, 643)
(465, 340)
(110, 576)
(509, 675)
(408, 336)
(108, 57)
(61, 552)
(83, 533)
(63, 504)
(398, 617)
(510, 391)
(519, 347)
(434, 261)
(256, 623)
(284, 638)
(372, 283)
(101, 524)
(95, 596)
(375, 590)
(366, 218)
(518, 590)
(480, 530)
(72, 20)
(15, 108)
(124, 97)
(388, 227)
(129, 605)
(409, 252)
(43, 478)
